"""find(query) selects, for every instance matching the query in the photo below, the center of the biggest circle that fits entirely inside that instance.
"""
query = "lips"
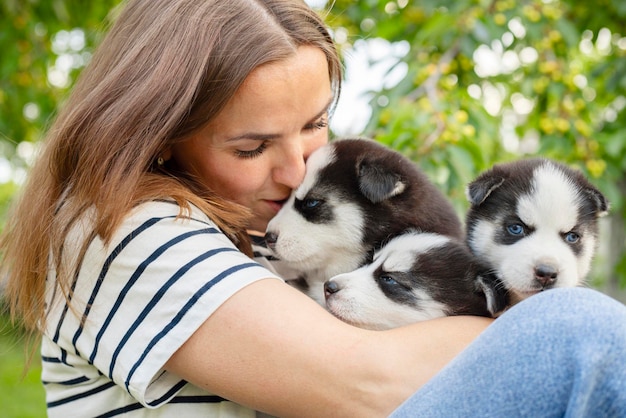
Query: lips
(276, 204)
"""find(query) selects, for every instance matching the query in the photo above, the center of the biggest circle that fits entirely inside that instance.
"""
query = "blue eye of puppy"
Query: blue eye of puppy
(515, 229)
(308, 204)
(311, 203)
(388, 280)
(572, 237)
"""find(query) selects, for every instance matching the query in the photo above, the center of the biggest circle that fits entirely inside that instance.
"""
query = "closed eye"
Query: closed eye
(320, 120)
(253, 152)
(321, 123)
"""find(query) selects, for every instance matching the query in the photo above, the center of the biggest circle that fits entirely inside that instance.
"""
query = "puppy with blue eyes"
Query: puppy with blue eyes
(414, 277)
(534, 222)
(356, 194)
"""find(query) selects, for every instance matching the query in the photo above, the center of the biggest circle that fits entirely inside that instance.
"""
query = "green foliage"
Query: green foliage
(21, 392)
(555, 86)
(32, 43)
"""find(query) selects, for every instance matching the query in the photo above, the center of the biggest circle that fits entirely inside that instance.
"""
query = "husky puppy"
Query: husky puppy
(414, 277)
(356, 195)
(535, 223)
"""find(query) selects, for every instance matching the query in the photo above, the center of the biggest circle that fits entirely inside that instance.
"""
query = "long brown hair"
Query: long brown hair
(165, 69)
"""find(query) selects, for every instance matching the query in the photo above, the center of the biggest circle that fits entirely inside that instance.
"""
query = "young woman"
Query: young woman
(129, 249)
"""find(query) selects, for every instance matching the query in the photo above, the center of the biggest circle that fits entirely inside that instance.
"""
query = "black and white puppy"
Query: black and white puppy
(356, 195)
(535, 223)
(415, 277)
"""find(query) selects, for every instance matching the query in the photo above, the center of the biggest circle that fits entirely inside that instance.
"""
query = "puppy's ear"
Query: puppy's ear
(480, 189)
(377, 182)
(600, 202)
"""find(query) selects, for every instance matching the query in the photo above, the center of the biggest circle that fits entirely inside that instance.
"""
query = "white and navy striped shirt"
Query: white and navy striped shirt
(134, 302)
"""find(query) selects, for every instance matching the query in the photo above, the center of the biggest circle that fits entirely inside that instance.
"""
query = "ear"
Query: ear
(478, 190)
(167, 153)
(601, 203)
(377, 182)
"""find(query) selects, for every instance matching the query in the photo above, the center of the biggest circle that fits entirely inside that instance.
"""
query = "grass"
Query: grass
(21, 395)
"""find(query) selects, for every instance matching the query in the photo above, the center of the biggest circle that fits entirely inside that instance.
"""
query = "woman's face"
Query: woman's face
(253, 152)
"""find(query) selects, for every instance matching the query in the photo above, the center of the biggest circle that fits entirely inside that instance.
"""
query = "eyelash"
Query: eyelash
(252, 153)
(320, 124)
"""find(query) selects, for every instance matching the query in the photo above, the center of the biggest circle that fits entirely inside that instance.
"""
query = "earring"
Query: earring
(160, 161)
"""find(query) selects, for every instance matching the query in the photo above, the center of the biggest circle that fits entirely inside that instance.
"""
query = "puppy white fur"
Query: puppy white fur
(535, 223)
(356, 195)
(415, 277)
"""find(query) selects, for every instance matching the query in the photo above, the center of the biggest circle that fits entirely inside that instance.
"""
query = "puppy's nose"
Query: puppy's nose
(330, 287)
(270, 239)
(546, 275)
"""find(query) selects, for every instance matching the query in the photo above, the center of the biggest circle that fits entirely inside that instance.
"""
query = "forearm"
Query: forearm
(423, 349)
(273, 349)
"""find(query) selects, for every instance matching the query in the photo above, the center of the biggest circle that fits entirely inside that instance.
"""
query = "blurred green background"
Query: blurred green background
(21, 395)
(459, 85)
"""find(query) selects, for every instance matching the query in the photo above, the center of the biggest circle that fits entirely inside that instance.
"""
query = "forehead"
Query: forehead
(305, 73)
(278, 94)
(319, 159)
(554, 199)
(400, 253)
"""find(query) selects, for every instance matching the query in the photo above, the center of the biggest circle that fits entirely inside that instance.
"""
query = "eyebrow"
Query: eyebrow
(264, 137)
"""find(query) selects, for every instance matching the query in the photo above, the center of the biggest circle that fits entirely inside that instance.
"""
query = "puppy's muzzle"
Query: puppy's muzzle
(330, 288)
(546, 275)
(270, 239)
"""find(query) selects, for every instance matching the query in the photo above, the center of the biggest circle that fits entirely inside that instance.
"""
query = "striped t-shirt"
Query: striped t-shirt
(134, 302)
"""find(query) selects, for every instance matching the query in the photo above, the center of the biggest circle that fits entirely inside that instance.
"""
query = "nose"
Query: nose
(546, 275)
(290, 167)
(270, 239)
(330, 287)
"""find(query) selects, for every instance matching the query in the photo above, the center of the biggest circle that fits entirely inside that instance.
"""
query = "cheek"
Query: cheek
(317, 141)
(220, 173)
(233, 181)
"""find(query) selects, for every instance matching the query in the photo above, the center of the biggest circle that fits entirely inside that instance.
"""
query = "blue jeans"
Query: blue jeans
(561, 353)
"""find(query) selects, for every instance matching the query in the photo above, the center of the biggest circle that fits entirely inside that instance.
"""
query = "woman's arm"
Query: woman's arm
(272, 348)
